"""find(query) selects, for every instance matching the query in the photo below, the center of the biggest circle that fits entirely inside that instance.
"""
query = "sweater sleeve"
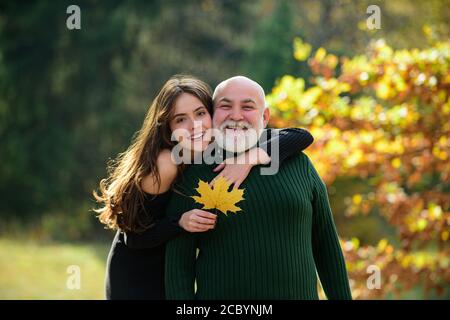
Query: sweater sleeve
(291, 141)
(159, 233)
(327, 251)
(180, 257)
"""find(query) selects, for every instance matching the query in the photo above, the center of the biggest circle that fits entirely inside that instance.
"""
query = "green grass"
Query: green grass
(31, 270)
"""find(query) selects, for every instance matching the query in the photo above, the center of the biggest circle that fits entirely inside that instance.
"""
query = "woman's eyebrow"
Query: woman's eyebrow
(183, 114)
(201, 107)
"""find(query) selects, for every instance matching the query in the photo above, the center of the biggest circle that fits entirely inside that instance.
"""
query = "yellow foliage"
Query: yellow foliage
(302, 49)
(218, 197)
(386, 119)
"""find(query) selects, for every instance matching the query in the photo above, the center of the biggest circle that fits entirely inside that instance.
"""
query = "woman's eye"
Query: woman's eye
(179, 120)
(201, 113)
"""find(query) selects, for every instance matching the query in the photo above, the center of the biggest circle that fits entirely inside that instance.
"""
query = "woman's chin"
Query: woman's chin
(196, 147)
(201, 147)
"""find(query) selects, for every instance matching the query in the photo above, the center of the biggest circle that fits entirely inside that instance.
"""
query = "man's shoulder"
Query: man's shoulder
(298, 159)
(192, 169)
(195, 172)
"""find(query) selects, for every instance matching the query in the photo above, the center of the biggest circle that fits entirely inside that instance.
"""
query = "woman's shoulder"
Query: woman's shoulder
(164, 161)
(167, 170)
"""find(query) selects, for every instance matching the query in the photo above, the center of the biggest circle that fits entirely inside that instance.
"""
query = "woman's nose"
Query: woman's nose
(197, 125)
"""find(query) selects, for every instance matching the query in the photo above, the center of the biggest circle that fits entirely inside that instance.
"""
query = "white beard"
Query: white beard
(237, 141)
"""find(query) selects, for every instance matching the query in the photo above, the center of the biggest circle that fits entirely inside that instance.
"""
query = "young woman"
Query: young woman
(138, 188)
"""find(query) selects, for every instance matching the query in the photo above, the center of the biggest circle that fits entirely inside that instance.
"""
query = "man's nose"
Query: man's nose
(236, 114)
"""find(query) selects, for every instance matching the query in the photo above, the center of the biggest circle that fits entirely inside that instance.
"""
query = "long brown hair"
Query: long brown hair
(121, 194)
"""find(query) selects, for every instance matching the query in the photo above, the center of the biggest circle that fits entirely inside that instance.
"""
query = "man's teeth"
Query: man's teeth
(235, 128)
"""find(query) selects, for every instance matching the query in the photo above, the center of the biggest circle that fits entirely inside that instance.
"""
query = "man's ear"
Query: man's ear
(266, 116)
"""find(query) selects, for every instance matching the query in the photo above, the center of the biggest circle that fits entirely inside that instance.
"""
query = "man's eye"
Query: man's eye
(247, 107)
(225, 106)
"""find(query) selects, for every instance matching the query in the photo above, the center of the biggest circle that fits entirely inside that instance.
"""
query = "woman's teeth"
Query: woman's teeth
(197, 136)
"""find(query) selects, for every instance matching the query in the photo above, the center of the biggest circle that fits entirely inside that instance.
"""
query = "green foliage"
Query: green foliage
(69, 100)
(270, 55)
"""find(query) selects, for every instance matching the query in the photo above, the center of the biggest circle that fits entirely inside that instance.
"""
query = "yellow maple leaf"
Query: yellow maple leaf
(218, 197)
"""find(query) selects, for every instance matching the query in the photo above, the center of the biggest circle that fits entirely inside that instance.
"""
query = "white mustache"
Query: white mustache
(235, 125)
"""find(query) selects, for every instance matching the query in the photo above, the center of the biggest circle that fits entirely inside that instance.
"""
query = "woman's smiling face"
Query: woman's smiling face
(191, 123)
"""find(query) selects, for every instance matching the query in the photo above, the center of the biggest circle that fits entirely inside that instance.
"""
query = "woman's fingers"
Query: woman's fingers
(202, 220)
(222, 174)
(206, 214)
(237, 184)
(211, 184)
(197, 227)
(219, 167)
(234, 174)
(197, 220)
(232, 180)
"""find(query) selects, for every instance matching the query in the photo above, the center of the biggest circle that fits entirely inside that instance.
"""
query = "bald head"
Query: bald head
(243, 87)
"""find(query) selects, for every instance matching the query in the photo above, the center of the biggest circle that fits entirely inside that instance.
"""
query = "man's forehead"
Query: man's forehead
(241, 92)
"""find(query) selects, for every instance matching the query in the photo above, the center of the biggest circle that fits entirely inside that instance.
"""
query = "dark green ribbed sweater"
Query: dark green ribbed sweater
(269, 250)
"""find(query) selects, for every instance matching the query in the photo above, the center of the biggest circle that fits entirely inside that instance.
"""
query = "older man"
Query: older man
(281, 239)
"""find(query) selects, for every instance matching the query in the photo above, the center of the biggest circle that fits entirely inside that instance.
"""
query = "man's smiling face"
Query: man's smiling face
(240, 113)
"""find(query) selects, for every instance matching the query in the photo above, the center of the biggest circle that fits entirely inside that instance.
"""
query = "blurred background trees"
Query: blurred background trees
(376, 102)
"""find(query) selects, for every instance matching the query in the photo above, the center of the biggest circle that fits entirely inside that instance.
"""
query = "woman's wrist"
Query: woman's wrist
(253, 157)
(259, 156)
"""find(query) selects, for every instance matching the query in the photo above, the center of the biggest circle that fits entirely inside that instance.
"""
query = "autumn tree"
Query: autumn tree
(384, 117)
